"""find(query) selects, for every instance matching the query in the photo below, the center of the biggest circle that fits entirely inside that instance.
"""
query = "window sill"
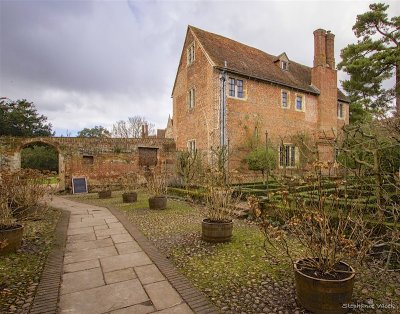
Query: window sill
(238, 98)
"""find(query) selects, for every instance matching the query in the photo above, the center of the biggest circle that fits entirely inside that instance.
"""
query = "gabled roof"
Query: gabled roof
(248, 61)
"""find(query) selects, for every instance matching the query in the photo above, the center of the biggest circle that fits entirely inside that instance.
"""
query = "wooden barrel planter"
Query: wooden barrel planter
(324, 296)
(158, 202)
(216, 232)
(105, 194)
(129, 197)
(10, 238)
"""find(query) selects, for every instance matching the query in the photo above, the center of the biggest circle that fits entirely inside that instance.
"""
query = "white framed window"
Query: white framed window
(299, 102)
(191, 98)
(287, 155)
(190, 54)
(284, 65)
(191, 145)
(285, 99)
(236, 88)
(340, 110)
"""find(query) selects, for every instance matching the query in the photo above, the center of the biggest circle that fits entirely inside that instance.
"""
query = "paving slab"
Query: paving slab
(121, 238)
(86, 255)
(100, 227)
(178, 309)
(80, 230)
(163, 295)
(81, 237)
(87, 223)
(135, 309)
(128, 247)
(107, 232)
(119, 275)
(104, 299)
(69, 268)
(124, 261)
(87, 245)
(149, 274)
(82, 280)
(93, 221)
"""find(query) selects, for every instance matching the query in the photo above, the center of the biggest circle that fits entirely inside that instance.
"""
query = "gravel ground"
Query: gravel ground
(238, 277)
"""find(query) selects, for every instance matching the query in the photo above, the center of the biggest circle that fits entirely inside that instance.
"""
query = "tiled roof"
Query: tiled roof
(252, 62)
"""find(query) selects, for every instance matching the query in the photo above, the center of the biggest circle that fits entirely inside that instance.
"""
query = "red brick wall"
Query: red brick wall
(200, 122)
(261, 107)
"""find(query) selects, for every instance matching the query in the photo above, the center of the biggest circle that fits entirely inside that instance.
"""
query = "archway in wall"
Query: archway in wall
(43, 157)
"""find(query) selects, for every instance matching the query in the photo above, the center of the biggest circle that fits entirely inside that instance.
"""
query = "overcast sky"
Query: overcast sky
(87, 63)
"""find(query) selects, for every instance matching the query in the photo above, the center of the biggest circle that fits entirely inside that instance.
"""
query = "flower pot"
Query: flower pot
(158, 202)
(129, 197)
(105, 194)
(324, 296)
(216, 232)
(10, 239)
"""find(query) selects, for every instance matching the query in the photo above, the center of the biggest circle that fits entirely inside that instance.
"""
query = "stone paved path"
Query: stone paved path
(106, 271)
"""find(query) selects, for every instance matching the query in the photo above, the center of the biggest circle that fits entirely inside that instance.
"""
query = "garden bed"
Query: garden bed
(238, 277)
(20, 272)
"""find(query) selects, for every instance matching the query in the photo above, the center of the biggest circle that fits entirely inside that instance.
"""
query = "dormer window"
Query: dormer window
(282, 61)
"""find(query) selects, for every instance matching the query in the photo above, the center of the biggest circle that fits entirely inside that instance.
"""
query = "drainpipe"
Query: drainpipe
(222, 120)
(222, 109)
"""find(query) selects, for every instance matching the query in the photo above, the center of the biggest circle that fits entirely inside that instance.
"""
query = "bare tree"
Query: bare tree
(132, 128)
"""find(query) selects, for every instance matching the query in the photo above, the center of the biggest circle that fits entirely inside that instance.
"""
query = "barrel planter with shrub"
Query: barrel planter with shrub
(216, 231)
(10, 238)
(158, 202)
(324, 295)
(129, 197)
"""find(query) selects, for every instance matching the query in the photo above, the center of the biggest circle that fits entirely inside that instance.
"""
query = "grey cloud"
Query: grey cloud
(85, 63)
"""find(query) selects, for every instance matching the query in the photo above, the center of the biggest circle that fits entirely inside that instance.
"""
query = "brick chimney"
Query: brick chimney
(145, 131)
(320, 47)
(330, 49)
(324, 77)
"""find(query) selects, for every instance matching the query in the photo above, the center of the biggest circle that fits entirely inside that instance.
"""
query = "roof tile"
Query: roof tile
(252, 62)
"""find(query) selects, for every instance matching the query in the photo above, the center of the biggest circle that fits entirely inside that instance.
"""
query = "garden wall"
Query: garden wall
(95, 158)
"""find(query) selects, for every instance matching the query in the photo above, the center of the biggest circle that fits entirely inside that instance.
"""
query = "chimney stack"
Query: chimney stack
(145, 130)
(330, 49)
(320, 47)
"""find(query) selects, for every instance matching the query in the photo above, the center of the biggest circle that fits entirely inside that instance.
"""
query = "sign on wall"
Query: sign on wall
(79, 185)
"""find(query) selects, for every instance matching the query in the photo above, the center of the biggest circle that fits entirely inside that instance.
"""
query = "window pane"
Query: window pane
(232, 87)
(287, 157)
(284, 98)
(292, 156)
(240, 88)
(340, 110)
(299, 103)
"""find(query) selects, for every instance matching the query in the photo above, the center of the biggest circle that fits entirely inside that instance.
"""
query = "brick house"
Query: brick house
(226, 92)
